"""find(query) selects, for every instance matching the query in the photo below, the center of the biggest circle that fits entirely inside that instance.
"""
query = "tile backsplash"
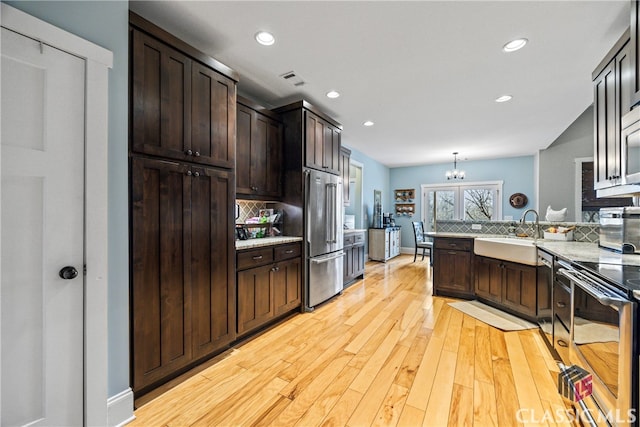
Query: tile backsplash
(584, 232)
(249, 209)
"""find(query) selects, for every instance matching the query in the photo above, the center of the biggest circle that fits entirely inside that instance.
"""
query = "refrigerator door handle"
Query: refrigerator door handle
(327, 218)
(322, 260)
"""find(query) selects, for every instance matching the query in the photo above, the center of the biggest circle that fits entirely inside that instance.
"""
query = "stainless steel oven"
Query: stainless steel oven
(602, 330)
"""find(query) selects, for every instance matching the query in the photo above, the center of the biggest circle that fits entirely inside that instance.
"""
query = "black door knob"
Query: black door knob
(68, 273)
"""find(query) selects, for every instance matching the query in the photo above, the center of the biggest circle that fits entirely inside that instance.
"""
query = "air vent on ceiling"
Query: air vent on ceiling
(293, 78)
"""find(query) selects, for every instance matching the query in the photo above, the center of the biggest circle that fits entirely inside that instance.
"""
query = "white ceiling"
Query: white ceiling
(426, 72)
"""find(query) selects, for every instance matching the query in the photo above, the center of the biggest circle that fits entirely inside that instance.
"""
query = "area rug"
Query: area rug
(492, 316)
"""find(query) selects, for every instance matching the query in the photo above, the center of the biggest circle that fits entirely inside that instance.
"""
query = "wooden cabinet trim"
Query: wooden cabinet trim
(157, 32)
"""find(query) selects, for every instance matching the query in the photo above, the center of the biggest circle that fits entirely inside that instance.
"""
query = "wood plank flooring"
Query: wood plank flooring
(386, 352)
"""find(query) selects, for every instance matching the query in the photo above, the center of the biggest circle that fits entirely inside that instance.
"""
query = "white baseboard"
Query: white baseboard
(120, 408)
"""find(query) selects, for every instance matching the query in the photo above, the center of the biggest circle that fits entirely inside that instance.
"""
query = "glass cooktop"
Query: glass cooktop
(625, 277)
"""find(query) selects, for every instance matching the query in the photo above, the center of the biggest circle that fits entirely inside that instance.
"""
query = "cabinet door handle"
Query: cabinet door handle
(188, 153)
(274, 269)
(561, 304)
(189, 173)
(257, 257)
(197, 154)
(196, 174)
(562, 343)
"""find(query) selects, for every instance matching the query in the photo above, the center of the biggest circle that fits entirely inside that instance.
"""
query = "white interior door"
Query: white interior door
(42, 226)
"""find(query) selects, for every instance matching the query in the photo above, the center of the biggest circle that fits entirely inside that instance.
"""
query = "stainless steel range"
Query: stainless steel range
(602, 317)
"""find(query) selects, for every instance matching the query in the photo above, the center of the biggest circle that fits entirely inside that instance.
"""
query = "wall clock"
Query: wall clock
(518, 200)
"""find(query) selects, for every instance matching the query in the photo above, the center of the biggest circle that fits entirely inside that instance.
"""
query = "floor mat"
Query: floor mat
(492, 316)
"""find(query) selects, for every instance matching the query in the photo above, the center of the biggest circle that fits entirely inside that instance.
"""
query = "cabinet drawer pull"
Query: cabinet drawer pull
(197, 154)
(562, 343)
(560, 304)
(289, 251)
(189, 173)
(188, 152)
(452, 252)
(257, 257)
(196, 174)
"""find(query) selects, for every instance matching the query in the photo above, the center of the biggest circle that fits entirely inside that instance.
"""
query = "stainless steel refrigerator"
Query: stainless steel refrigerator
(324, 236)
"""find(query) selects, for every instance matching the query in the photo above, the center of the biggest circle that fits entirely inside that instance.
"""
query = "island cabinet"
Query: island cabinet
(453, 267)
(353, 256)
(509, 284)
(259, 152)
(269, 284)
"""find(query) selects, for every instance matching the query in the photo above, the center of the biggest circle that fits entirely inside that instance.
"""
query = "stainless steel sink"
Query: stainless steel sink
(512, 249)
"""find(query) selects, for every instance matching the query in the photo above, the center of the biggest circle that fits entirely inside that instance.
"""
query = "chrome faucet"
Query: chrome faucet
(523, 221)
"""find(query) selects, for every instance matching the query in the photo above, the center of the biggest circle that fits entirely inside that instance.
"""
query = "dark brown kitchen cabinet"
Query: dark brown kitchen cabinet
(269, 284)
(322, 144)
(453, 267)
(612, 83)
(182, 191)
(634, 52)
(259, 152)
(488, 278)
(345, 170)
(182, 286)
(181, 109)
(353, 256)
(510, 285)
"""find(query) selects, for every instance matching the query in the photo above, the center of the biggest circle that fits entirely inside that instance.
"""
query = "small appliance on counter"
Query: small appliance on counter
(388, 221)
(620, 229)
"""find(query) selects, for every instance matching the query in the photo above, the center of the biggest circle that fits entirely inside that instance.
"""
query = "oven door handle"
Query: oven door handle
(610, 300)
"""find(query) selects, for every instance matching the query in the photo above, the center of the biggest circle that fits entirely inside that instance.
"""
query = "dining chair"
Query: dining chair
(421, 241)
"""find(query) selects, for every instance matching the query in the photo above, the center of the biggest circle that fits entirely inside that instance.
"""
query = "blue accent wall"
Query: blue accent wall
(375, 176)
(517, 173)
(106, 23)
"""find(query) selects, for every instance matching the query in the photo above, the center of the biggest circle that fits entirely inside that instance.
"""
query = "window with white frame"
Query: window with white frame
(472, 201)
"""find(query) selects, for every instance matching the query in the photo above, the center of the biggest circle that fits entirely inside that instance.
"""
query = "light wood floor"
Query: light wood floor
(384, 353)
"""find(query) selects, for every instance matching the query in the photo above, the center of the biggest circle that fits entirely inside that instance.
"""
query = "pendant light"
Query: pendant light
(455, 173)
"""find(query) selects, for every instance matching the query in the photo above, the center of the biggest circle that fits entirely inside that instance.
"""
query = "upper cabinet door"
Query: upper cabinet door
(213, 118)
(322, 144)
(181, 109)
(161, 99)
(606, 143)
(635, 54)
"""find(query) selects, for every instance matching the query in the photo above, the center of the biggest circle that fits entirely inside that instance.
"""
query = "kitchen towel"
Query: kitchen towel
(492, 316)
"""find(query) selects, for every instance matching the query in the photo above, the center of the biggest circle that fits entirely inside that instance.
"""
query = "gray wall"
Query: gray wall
(557, 167)
(105, 23)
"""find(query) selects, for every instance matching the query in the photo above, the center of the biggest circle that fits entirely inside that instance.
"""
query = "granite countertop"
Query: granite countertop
(266, 241)
(462, 235)
(571, 251)
(587, 252)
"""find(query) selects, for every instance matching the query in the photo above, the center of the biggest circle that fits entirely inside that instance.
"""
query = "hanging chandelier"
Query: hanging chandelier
(455, 173)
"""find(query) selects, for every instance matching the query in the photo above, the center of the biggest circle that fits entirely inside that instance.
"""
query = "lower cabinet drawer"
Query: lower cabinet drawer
(254, 258)
(286, 251)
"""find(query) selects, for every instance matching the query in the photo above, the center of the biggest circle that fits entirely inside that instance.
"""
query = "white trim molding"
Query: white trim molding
(98, 61)
(119, 408)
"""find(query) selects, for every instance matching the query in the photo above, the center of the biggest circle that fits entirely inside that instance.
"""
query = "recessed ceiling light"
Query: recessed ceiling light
(504, 98)
(368, 123)
(265, 38)
(514, 45)
(332, 94)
